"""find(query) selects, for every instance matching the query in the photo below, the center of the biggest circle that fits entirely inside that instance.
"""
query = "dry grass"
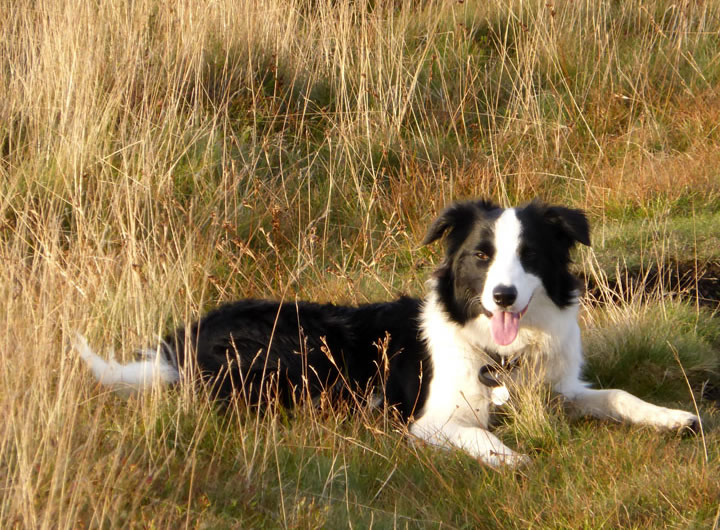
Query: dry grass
(157, 159)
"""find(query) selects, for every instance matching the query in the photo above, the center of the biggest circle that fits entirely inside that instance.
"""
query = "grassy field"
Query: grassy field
(157, 159)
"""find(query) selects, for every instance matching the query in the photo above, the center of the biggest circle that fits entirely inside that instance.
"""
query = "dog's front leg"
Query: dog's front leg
(623, 406)
(475, 441)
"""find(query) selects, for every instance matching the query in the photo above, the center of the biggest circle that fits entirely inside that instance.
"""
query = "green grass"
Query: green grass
(645, 240)
(309, 471)
(315, 471)
(631, 350)
(157, 160)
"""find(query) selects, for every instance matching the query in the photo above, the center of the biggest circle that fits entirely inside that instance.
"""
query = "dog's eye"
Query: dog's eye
(480, 255)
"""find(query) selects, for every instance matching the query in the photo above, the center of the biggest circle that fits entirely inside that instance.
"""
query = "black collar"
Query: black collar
(488, 374)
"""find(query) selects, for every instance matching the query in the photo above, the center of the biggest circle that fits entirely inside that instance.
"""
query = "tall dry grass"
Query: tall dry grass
(158, 159)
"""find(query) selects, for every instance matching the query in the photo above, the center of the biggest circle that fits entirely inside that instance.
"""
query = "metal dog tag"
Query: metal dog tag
(499, 395)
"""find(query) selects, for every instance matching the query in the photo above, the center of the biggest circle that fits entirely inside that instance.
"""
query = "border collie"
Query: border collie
(503, 297)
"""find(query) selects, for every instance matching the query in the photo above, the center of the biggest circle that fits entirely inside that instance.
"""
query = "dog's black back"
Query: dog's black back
(255, 349)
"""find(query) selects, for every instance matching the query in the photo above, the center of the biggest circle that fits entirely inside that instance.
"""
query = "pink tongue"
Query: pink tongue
(504, 327)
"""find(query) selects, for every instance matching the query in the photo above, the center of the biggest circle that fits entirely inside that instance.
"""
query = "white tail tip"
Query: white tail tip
(127, 378)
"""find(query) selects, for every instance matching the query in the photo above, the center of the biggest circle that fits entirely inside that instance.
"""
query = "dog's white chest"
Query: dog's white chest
(456, 392)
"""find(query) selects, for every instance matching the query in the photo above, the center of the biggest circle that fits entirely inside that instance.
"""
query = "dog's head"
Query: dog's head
(498, 259)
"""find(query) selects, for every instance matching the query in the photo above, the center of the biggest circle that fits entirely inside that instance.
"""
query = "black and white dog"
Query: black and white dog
(503, 295)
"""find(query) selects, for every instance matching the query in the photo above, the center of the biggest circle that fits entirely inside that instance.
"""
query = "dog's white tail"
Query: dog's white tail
(129, 378)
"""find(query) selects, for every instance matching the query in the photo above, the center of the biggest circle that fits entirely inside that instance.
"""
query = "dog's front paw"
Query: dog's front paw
(505, 459)
(679, 420)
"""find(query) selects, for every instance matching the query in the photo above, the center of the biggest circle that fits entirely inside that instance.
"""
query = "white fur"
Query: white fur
(620, 405)
(127, 379)
(506, 268)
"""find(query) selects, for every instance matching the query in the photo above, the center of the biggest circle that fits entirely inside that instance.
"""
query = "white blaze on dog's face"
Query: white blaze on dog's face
(508, 288)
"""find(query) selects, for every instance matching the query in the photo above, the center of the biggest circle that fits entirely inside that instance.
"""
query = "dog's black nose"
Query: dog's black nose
(504, 296)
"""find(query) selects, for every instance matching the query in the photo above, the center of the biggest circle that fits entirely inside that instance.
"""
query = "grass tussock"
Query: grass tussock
(156, 160)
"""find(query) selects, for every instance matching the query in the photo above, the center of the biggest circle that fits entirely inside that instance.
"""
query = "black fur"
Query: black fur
(250, 347)
(549, 233)
(470, 230)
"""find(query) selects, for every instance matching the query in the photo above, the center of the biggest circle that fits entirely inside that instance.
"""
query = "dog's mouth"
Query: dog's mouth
(504, 325)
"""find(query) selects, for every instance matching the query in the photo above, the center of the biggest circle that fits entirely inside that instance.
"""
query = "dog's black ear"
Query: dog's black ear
(457, 215)
(448, 219)
(571, 222)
